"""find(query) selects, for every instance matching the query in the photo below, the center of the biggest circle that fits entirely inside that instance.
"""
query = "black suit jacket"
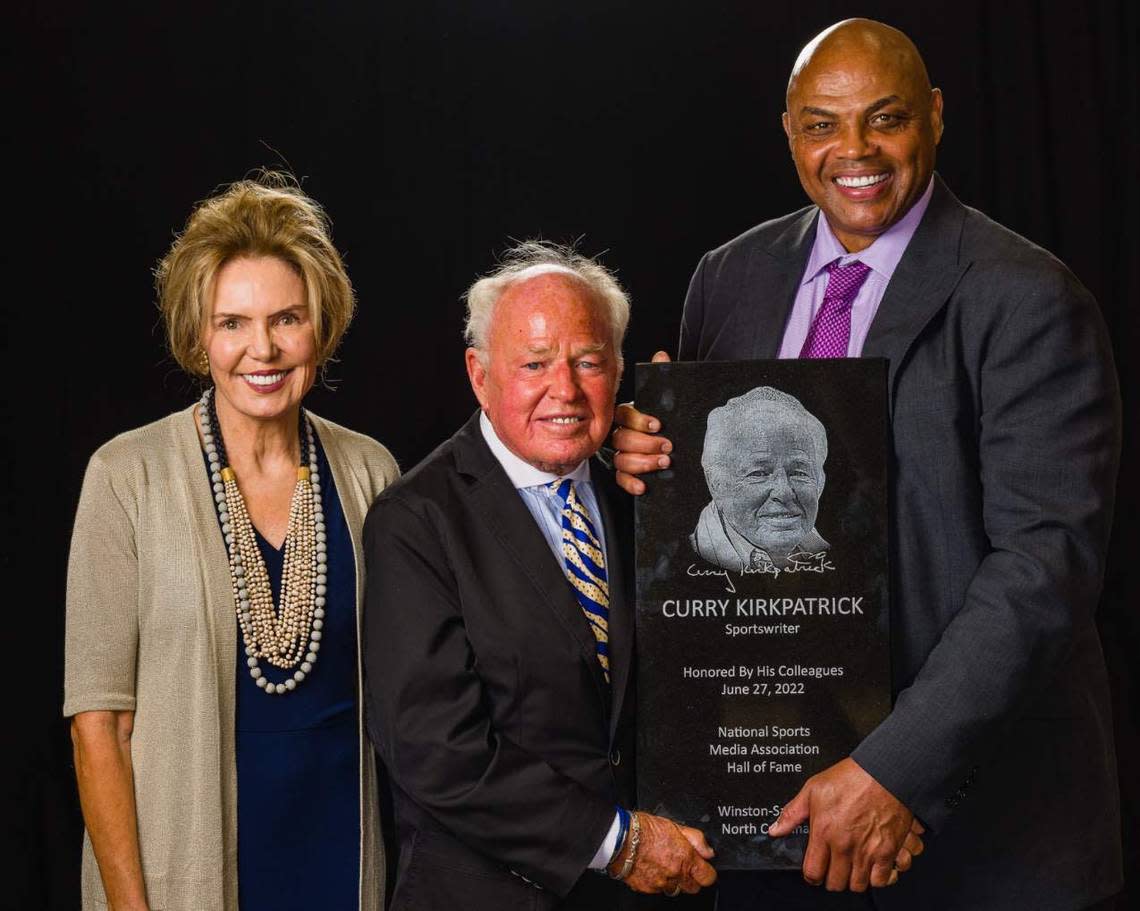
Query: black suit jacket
(507, 750)
(1005, 420)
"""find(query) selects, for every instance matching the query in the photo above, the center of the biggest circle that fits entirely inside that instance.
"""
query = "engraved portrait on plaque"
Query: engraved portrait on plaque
(763, 460)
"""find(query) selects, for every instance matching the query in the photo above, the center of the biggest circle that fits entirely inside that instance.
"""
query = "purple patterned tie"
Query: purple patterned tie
(831, 329)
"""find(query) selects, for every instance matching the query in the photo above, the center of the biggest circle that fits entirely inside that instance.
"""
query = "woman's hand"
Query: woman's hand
(102, 748)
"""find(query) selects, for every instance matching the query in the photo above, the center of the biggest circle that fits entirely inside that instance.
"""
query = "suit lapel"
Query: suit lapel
(775, 273)
(512, 525)
(922, 283)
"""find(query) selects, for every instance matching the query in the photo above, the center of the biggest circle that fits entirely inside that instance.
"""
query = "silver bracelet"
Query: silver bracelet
(634, 841)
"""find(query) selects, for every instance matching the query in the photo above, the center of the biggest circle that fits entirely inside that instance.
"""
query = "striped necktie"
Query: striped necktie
(585, 566)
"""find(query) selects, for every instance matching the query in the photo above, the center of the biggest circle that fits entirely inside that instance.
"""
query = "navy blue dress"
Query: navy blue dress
(298, 754)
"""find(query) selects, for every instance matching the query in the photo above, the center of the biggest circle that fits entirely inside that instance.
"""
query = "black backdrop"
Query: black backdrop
(432, 132)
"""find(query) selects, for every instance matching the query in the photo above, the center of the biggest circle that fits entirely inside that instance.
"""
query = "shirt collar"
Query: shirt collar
(523, 474)
(882, 256)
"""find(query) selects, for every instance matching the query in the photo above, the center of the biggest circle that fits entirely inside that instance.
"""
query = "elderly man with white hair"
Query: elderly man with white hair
(499, 622)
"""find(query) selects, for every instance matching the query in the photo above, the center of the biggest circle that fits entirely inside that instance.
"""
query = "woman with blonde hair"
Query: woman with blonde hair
(213, 596)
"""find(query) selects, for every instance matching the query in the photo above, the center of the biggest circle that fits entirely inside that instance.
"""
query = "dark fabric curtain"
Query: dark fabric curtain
(433, 132)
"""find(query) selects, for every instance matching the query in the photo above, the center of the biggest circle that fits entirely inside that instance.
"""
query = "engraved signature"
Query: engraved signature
(809, 563)
(723, 573)
(796, 563)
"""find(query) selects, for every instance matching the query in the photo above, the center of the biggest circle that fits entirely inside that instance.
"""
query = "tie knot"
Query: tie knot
(855, 267)
(844, 282)
(562, 488)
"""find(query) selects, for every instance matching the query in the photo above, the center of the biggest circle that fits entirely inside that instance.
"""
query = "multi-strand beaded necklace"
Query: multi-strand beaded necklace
(291, 634)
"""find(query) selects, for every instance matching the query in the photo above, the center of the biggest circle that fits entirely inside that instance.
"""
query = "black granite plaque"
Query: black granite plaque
(762, 620)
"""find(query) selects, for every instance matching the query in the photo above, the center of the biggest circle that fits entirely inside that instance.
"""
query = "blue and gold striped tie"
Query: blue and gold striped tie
(585, 565)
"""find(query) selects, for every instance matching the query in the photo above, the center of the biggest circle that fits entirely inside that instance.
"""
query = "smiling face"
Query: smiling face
(863, 125)
(551, 374)
(259, 338)
(765, 476)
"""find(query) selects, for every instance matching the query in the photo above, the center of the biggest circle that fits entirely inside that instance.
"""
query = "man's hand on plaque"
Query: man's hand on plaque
(668, 858)
(638, 448)
(859, 835)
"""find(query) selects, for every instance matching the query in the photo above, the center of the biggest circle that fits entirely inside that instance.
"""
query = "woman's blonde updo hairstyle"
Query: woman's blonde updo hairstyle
(267, 216)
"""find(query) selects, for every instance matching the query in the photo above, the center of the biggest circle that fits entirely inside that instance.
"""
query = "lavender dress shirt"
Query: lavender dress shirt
(882, 257)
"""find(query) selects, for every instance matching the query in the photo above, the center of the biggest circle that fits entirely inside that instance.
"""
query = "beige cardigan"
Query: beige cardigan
(151, 628)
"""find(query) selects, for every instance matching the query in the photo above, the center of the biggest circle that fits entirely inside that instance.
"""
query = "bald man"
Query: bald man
(1005, 438)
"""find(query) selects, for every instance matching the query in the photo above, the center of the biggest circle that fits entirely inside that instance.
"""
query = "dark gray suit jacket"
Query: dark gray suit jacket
(1005, 418)
(507, 750)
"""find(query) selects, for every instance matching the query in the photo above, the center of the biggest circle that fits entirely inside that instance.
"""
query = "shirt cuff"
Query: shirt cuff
(606, 849)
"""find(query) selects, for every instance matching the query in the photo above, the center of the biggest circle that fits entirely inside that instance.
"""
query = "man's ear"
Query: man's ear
(477, 374)
(936, 124)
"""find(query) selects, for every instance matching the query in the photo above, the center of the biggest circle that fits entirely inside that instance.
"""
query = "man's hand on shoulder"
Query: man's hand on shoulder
(638, 448)
(670, 858)
(860, 834)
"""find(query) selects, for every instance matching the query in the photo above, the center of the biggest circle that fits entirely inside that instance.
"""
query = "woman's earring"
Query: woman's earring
(204, 362)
